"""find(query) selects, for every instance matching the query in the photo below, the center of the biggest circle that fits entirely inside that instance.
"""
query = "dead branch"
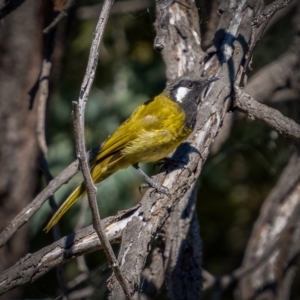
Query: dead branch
(37, 202)
(279, 74)
(86, 240)
(278, 220)
(91, 193)
(227, 64)
(269, 11)
(224, 281)
(267, 115)
(79, 112)
(260, 23)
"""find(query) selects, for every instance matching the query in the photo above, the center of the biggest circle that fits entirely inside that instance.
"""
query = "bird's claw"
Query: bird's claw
(156, 188)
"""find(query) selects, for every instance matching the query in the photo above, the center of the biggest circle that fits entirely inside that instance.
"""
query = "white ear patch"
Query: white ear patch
(181, 92)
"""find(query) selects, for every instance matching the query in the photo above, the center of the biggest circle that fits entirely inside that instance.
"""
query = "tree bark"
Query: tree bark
(276, 236)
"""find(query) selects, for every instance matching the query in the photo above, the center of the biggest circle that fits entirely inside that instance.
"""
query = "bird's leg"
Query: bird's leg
(151, 183)
(173, 162)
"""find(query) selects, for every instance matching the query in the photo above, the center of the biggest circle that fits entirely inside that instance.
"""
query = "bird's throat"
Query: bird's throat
(190, 109)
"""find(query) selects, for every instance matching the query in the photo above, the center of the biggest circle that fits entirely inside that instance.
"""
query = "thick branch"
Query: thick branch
(84, 241)
(267, 115)
(156, 208)
(183, 251)
(278, 220)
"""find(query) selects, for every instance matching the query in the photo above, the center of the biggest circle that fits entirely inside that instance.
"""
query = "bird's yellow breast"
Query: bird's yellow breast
(160, 128)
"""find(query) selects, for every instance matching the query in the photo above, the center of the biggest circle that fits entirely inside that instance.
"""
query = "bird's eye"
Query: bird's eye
(190, 85)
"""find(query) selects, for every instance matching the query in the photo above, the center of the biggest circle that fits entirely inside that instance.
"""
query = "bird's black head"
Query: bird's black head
(186, 91)
(187, 88)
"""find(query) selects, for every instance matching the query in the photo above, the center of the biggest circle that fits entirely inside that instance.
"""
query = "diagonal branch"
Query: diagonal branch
(267, 115)
(139, 234)
(28, 211)
(91, 193)
(79, 111)
(62, 14)
(269, 11)
(84, 241)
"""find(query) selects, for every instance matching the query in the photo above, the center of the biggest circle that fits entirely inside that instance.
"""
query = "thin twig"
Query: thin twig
(91, 193)
(78, 114)
(42, 96)
(42, 104)
(28, 211)
(269, 11)
(260, 24)
(267, 115)
(93, 58)
(63, 13)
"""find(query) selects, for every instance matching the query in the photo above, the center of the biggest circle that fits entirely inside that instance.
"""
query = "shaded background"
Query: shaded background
(234, 181)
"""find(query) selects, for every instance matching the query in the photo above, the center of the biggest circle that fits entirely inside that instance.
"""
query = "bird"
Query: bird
(154, 130)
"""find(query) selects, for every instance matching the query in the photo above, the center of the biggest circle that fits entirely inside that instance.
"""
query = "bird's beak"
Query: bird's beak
(209, 80)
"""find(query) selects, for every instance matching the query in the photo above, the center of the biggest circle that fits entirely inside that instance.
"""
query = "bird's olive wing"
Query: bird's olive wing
(143, 118)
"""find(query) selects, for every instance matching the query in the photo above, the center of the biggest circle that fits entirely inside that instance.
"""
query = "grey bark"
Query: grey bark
(234, 34)
(278, 225)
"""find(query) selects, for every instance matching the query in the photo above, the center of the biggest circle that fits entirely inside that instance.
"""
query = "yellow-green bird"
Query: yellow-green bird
(154, 130)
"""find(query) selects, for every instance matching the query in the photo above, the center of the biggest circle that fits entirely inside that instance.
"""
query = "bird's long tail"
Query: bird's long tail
(78, 192)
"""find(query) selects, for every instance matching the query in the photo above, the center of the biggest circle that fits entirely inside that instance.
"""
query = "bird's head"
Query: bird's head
(188, 88)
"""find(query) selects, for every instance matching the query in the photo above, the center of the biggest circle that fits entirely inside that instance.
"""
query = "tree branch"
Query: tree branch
(79, 111)
(269, 11)
(37, 202)
(183, 251)
(280, 73)
(84, 241)
(91, 193)
(267, 115)
(139, 234)
(278, 221)
(62, 14)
